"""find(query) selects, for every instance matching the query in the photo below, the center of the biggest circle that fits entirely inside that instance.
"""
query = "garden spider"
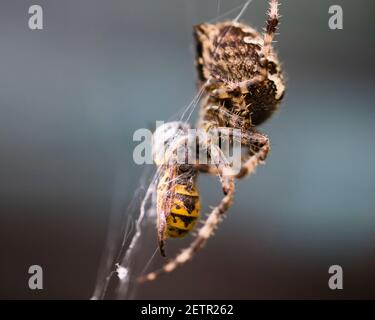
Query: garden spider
(243, 85)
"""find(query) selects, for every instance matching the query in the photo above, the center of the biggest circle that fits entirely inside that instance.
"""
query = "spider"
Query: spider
(243, 85)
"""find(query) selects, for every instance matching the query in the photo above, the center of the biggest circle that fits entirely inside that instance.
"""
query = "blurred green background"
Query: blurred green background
(72, 95)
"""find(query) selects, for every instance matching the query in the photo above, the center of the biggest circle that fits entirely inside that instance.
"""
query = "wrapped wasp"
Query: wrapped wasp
(177, 204)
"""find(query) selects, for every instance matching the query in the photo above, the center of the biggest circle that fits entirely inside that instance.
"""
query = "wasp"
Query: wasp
(177, 201)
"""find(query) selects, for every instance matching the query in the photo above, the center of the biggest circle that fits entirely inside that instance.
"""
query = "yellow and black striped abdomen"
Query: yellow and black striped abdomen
(184, 211)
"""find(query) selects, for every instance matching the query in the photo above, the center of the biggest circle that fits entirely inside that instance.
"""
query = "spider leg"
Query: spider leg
(220, 162)
(258, 145)
(271, 27)
(217, 159)
(204, 233)
(217, 155)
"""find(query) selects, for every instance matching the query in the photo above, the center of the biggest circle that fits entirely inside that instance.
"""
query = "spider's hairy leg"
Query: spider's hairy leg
(217, 159)
(271, 27)
(220, 161)
(259, 147)
(204, 233)
(257, 143)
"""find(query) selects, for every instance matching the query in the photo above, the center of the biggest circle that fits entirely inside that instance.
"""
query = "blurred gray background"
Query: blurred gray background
(72, 95)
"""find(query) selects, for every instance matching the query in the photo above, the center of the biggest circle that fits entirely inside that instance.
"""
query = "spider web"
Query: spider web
(128, 252)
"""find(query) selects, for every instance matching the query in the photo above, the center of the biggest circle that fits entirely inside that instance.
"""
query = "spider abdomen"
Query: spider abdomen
(239, 68)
